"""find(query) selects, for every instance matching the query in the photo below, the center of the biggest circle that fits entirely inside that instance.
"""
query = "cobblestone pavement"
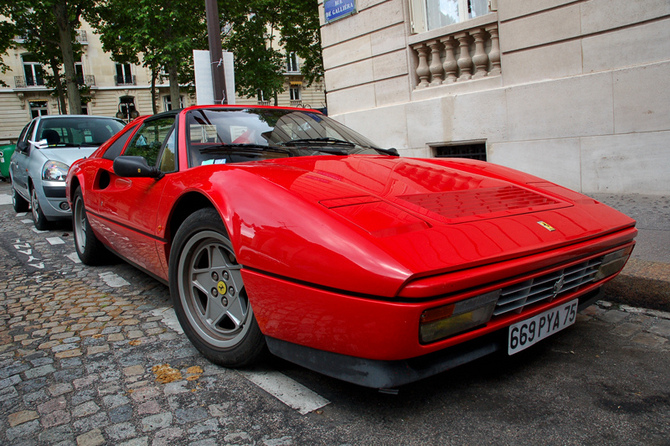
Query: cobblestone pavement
(90, 356)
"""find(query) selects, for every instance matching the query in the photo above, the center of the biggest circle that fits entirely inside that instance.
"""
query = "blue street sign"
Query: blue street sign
(336, 9)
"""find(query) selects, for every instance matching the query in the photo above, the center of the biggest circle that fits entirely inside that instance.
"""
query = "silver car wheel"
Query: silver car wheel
(35, 204)
(211, 290)
(79, 223)
(40, 220)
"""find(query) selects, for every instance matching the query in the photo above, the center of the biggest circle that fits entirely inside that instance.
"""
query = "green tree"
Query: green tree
(257, 27)
(300, 34)
(39, 36)
(158, 34)
(7, 34)
(67, 14)
(49, 30)
(258, 65)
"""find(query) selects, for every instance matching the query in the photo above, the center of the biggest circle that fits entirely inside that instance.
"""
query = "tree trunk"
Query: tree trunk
(154, 99)
(65, 33)
(174, 86)
(59, 87)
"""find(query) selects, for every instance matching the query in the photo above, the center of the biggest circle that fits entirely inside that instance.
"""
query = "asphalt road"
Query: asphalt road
(81, 350)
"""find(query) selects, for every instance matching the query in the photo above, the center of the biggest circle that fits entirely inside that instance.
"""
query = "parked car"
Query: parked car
(44, 151)
(5, 156)
(281, 229)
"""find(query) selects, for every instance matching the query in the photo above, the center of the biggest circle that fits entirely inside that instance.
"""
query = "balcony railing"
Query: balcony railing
(125, 80)
(263, 102)
(82, 37)
(457, 57)
(22, 82)
(87, 79)
(296, 103)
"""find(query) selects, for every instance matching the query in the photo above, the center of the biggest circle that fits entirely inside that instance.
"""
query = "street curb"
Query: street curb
(642, 284)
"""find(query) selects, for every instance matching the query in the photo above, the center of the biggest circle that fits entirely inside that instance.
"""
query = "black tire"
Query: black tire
(211, 304)
(20, 204)
(41, 222)
(90, 250)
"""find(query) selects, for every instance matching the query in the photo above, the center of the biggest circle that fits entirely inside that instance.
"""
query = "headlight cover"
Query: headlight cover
(54, 171)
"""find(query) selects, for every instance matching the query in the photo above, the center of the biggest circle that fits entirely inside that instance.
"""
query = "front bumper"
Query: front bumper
(52, 199)
(375, 341)
(380, 374)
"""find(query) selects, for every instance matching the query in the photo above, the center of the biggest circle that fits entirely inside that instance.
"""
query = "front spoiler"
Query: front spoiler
(381, 374)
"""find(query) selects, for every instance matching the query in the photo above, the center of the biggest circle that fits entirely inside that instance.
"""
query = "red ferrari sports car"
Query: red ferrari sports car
(280, 229)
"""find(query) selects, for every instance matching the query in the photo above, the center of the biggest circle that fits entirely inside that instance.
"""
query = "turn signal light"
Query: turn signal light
(613, 263)
(447, 320)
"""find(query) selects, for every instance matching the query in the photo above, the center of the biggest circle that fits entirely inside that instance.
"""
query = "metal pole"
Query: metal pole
(216, 51)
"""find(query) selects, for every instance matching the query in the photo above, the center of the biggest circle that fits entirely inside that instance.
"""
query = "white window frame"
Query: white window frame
(295, 93)
(34, 67)
(292, 65)
(39, 110)
(127, 73)
(167, 103)
(419, 13)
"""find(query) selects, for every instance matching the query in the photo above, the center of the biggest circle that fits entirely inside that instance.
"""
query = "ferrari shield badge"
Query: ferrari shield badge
(546, 226)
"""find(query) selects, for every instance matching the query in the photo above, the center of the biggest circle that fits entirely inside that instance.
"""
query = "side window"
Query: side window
(149, 139)
(117, 146)
(168, 163)
(22, 135)
(29, 133)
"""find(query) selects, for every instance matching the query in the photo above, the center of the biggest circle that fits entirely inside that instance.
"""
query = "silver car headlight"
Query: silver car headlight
(54, 171)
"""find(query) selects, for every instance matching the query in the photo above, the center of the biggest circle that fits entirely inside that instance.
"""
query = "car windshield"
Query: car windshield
(219, 136)
(76, 131)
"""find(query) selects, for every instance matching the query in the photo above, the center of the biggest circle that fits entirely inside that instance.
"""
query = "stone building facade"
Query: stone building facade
(113, 87)
(574, 91)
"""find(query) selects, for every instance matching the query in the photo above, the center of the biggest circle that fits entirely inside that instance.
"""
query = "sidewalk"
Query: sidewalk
(645, 281)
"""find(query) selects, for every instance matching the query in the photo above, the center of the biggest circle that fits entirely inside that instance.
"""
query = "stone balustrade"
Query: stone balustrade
(457, 57)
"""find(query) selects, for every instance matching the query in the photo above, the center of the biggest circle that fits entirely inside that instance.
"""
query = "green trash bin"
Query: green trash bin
(5, 155)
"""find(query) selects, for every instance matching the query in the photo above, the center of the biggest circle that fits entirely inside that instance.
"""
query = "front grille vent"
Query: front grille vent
(546, 288)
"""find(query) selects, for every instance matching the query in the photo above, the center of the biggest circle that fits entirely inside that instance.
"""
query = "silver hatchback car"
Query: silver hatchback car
(46, 148)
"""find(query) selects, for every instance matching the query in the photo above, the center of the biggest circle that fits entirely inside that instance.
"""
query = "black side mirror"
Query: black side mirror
(22, 146)
(135, 166)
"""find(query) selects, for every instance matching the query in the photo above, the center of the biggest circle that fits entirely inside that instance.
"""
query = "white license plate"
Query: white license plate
(530, 331)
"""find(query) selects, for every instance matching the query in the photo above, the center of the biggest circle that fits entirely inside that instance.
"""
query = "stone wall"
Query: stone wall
(581, 95)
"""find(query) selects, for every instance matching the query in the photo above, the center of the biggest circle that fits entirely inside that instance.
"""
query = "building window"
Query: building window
(475, 151)
(79, 72)
(127, 108)
(167, 103)
(123, 74)
(38, 108)
(432, 14)
(292, 63)
(294, 91)
(33, 71)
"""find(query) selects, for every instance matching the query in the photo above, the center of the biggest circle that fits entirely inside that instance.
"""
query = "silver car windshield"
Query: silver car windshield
(76, 131)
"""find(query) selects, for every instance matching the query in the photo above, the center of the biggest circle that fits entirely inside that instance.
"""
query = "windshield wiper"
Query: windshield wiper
(318, 141)
(392, 151)
(331, 150)
(255, 148)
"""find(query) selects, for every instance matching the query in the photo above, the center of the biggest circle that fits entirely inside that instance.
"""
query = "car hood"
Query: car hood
(404, 218)
(67, 155)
